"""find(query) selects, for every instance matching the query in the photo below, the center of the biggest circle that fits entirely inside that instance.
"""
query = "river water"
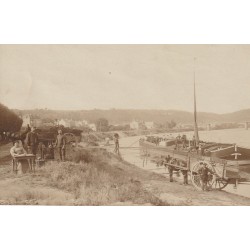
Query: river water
(130, 152)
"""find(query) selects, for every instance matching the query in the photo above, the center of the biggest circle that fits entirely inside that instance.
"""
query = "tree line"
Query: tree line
(9, 121)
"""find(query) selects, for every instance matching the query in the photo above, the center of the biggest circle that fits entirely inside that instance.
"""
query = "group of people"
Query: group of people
(180, 142)
(32, 145)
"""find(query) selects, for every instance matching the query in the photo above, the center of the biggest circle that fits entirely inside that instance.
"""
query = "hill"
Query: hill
(124, 116)
(239, 116)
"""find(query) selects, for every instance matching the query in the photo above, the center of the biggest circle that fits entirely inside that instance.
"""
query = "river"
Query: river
(239, 136)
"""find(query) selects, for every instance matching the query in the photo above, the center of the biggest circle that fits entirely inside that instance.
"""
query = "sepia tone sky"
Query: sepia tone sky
(125, 76)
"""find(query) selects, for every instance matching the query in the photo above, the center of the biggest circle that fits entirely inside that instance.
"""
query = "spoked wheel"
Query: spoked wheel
(220, 183)
(215, 182)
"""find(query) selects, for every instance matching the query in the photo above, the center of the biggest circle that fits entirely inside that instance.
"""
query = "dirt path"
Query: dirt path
(176, 194)
(33, 189)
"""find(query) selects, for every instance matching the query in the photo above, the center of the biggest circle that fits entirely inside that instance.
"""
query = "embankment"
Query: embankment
(96, 177)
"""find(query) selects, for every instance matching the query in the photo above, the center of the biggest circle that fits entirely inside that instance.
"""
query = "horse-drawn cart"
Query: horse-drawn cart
(229, 168)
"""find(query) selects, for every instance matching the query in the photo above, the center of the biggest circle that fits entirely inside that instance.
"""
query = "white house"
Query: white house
(31, 120)
(149, 125)
(63, 122)
(92, 126)
(134, 125)
(81, 123)
(26, 120)
(84, 122)
(66, 123)
(78, 123)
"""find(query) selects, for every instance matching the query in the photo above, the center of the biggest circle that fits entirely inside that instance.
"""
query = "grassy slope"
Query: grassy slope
(99, 178)
(96, 179)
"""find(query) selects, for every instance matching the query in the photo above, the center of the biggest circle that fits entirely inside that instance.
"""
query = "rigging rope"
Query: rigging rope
(133, 143)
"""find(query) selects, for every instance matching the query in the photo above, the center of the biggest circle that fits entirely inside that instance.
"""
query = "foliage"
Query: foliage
(9, 121)
(102, 125)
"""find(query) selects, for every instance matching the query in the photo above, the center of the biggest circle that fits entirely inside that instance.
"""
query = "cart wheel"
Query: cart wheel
(215, 182)
(220, 183)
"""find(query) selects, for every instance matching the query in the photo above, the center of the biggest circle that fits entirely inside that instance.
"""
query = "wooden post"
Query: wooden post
(223, 171)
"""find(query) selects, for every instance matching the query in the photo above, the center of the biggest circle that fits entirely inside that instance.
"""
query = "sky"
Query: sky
(69, 77)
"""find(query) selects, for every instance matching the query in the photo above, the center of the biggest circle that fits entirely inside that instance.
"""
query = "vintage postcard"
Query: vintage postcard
(123, 125)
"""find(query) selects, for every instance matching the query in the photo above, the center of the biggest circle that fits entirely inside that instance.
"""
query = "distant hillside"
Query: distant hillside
(123, 116)
(239, 116)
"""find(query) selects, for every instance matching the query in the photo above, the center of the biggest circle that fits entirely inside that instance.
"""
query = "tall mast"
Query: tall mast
(196, 133)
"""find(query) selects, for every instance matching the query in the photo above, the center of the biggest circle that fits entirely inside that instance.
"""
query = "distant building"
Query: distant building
(187, 126)
(92, 126)
(31, 120)
(63, 122)
(83, 123)
(134, 125)
(49, 124)
(26, 120)
(149, 125)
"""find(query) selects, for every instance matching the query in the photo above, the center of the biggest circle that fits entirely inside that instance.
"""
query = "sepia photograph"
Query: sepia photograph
(125, 125)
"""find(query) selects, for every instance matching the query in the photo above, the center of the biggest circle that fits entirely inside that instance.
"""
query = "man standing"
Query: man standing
(24, 134)
(184, 172)
(116, 140)
(171, 169)
(204, 172)
(61, 144)
(32, 141)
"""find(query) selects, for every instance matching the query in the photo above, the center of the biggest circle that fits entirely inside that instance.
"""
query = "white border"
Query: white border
(124, 22)
(130, 21)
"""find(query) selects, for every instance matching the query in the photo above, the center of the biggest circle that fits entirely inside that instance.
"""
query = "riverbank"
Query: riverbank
(97, 177)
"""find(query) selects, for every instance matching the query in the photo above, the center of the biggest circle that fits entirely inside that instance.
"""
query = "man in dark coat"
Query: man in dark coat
(24, 134)
(32, 141)
(204, 172)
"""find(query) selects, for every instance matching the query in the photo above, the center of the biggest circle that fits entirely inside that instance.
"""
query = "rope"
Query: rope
(133, 143)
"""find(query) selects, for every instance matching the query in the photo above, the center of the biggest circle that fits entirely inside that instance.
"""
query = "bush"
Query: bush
(9, 121)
